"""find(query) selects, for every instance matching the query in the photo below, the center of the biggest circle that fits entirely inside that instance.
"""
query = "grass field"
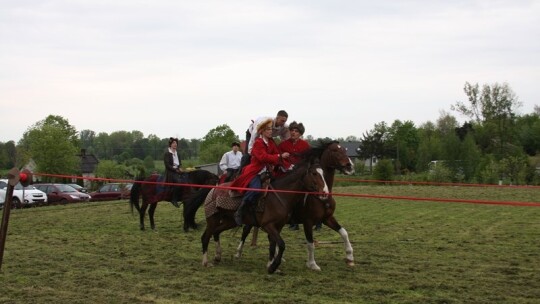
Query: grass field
(405, 252)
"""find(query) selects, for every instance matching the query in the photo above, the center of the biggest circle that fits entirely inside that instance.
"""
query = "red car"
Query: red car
(112, 191)
(62, 194)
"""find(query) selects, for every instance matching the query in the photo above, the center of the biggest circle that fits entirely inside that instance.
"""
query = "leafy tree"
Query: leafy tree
(402, 144)
(8, 154)
(111, 170)
(87, 138)
(121, 143)
(528, 133)
(149, 163)
(429, 147)
(371, 145)
(53, 144)
(470, 157)
(493, 107)
(216, 142)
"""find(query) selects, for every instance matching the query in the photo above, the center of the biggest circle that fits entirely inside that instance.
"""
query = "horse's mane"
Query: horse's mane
(318, 148)
(292, 176)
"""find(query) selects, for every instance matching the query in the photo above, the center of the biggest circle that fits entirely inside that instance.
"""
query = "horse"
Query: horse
(273, 210)
(192, 204)
(153, 192)
(332, 157)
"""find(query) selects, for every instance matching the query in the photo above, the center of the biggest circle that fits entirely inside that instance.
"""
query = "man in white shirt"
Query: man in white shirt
(230, 161)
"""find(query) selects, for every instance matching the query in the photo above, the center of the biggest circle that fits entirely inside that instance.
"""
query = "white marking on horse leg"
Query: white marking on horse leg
(311, 264)
(349, 258)
(217, 256)
(239, 250)
(205, 259)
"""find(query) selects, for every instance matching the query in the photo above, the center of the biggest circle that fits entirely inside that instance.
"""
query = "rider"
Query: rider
(297, 147)
(173, 169)
(279, 128)
(230, 161)
(265, 155)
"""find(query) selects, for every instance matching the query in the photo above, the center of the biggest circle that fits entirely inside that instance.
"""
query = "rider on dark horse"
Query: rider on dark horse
(173, 169)
(264, 156)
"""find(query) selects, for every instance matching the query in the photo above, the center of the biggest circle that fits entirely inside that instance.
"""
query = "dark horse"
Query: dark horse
(272, 214)
(153, 191)
(332, 157)
(193, 204)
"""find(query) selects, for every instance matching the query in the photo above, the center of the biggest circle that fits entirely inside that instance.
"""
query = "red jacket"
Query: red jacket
(262, 155)
(295, 149)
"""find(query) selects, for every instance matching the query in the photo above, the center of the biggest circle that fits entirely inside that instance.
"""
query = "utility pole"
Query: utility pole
(14, 177)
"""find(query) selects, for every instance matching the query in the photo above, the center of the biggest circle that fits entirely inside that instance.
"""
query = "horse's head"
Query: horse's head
(334, 156)
(314, 180)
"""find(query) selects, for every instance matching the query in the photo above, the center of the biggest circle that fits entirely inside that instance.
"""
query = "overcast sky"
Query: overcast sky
(182, 68)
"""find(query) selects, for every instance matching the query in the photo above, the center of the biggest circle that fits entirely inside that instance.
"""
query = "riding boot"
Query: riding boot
(240, 213)
(176, 196)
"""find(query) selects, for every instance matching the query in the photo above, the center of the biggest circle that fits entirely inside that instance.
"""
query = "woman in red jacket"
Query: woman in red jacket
(264, 156)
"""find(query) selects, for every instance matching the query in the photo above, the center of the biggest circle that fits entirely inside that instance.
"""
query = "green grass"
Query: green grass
(405, 252)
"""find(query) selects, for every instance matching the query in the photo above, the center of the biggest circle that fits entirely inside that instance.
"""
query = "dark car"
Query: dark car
(62, 193)
(112, 191)
(78, 188)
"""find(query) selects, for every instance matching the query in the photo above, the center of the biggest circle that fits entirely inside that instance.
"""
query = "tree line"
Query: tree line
(496, 143)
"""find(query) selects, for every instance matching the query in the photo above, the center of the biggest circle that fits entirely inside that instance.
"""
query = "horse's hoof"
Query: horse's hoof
(313, 267)
(349, 263)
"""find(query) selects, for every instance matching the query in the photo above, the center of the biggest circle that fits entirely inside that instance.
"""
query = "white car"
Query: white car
(22, 196)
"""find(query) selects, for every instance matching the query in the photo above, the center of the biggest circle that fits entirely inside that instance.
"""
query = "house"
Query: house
(352, 151)
(89, 163)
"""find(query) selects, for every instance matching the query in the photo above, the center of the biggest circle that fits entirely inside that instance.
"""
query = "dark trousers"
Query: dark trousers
(253, 196)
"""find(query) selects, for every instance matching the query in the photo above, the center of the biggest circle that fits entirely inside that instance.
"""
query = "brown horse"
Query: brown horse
(153, 190)
(272, 214)
(332, 157)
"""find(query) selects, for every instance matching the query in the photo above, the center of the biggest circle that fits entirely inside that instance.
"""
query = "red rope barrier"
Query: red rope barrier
(433, 183)
(444, 200)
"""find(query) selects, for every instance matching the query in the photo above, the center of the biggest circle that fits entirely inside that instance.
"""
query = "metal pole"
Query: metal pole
(13, 180)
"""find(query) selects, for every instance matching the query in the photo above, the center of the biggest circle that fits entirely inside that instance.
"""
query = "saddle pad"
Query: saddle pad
(160, 188)
(220, 198)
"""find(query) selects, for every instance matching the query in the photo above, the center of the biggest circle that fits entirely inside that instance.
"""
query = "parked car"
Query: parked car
(78, 188)
(23, 196)
(62, 193)
(112, 191)
(2, 198)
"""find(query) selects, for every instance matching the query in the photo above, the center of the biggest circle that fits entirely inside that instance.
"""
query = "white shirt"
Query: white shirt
(176, 162)
(230, 160)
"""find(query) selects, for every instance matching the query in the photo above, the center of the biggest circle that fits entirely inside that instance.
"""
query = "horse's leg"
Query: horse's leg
(211, 223)
(217, 255)
(151, 215)
(275, 237)
(272, 252)
(142, 213)
(254, 237)
(334, 225)
(245, 232)
(308, 232)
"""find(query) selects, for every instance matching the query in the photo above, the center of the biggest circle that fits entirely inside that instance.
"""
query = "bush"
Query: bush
(384, 170)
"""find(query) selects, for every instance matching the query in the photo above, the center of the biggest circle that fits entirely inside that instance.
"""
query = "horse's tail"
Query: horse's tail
(192, 204)
(134, 196)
